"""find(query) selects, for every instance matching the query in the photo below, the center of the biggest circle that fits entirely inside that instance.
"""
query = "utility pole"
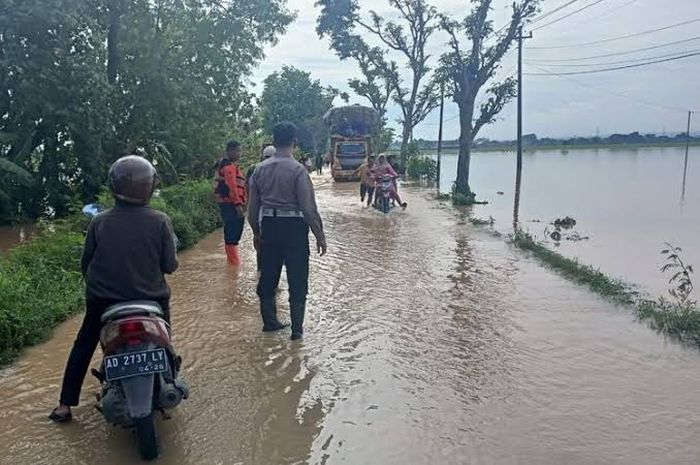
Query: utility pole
(519, 169)
(439, 147)
(687, 149)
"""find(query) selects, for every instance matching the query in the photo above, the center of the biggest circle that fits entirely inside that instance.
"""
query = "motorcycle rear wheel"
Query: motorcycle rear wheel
(385, 206)
(146, 437)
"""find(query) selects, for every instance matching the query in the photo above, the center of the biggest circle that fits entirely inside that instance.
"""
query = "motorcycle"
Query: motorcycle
(384, 186)
(139, 373)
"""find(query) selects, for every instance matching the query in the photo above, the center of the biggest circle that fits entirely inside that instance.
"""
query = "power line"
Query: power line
(622, 62)
(626, 52)
(593, 71)
(554, 11)
(613, 39)
(609, 12)
(562, 18)
(606, 90)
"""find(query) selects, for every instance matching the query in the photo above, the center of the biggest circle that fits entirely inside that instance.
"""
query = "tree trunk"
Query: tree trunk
(466, 138)
(406, 138)
(113, 41)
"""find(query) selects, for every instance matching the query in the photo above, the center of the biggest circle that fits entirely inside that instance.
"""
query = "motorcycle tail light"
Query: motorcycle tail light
(134, 331)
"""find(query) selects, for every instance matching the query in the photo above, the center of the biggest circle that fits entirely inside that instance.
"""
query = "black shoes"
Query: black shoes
(297, 336)
(274, 326)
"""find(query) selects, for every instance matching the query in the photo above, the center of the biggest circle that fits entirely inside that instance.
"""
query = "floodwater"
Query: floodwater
(428, 341)
(628, 202)
(10, 236)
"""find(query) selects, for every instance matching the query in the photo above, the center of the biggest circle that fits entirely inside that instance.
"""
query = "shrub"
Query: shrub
(420, 167)
(40, 281)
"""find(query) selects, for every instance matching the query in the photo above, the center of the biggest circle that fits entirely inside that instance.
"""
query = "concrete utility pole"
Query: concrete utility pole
(519, 169)
(439, 148)
(687, 149)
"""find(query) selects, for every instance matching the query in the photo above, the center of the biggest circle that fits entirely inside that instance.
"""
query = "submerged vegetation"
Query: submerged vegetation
(678, 316)
(40, 281)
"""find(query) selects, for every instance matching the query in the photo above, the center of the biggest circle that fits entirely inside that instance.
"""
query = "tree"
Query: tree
(382, 80)
(292, 95)
(468, 69)
(86, 81)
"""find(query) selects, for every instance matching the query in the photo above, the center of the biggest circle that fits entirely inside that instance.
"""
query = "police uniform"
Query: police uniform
(282, 209)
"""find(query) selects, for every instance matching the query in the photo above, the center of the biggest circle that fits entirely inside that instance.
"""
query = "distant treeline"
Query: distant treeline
(531, 140)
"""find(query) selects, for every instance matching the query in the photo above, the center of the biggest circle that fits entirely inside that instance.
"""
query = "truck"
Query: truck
(351, 128)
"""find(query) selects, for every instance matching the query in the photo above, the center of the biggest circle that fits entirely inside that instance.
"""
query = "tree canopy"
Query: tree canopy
(292, 95)
(475, 55)
(86, 81)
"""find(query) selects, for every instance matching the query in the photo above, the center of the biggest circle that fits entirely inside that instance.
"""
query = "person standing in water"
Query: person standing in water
(365, 171)
(281, 212)
(231, 191)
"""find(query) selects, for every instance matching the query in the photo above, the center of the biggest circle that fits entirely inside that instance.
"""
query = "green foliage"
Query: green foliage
(40, 281)
(679, 318)
(85, 82)
(420, 167)
(291, 95)
(572, 269)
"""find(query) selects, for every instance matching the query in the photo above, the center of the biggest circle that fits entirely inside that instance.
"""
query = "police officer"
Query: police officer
(282, 209)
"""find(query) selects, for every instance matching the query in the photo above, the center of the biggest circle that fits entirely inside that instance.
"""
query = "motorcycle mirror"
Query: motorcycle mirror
(91, 210)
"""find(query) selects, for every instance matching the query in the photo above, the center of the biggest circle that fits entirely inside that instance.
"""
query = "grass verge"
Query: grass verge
(680, 320)
(40, 281)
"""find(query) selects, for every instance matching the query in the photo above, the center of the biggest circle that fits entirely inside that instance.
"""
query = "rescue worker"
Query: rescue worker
(282, 210)
(128, 251)
(231, 192)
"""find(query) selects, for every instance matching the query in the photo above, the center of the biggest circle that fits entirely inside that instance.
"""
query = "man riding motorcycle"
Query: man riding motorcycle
(128, 251)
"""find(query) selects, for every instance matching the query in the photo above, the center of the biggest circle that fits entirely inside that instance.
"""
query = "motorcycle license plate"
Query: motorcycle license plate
(135, 364)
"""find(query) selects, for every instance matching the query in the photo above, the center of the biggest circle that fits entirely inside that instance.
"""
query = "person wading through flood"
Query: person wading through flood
(282, 210)
(128, 251)
(232, 195)
(366, 173)
(267, 153)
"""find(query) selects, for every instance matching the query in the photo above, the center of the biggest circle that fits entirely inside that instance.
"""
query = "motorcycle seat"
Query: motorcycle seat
(132, 308)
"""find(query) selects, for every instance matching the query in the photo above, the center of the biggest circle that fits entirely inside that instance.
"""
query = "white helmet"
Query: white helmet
(268, 152)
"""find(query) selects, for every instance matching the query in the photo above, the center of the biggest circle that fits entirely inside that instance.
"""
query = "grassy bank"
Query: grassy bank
(678, 319)
(40, 281)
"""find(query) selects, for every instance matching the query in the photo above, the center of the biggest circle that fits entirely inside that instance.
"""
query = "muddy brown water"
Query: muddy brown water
(428, 342)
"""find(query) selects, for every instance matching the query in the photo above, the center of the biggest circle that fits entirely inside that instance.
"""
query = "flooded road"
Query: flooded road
(628, 201)
(427, 342)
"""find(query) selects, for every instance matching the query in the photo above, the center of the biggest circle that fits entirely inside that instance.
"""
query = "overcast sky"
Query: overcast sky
(647, 99)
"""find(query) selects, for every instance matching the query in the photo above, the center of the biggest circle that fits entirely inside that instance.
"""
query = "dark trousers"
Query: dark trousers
(233, 223)
(285, 241)
(368, 191)
(85, 345)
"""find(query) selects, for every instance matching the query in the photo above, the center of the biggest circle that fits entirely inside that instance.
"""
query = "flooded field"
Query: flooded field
(627, 201)
(427, 342)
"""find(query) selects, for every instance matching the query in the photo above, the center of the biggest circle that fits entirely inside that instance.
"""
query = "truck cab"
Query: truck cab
(347, 154)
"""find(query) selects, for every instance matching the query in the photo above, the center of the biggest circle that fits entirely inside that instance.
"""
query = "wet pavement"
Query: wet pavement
(428, 341)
